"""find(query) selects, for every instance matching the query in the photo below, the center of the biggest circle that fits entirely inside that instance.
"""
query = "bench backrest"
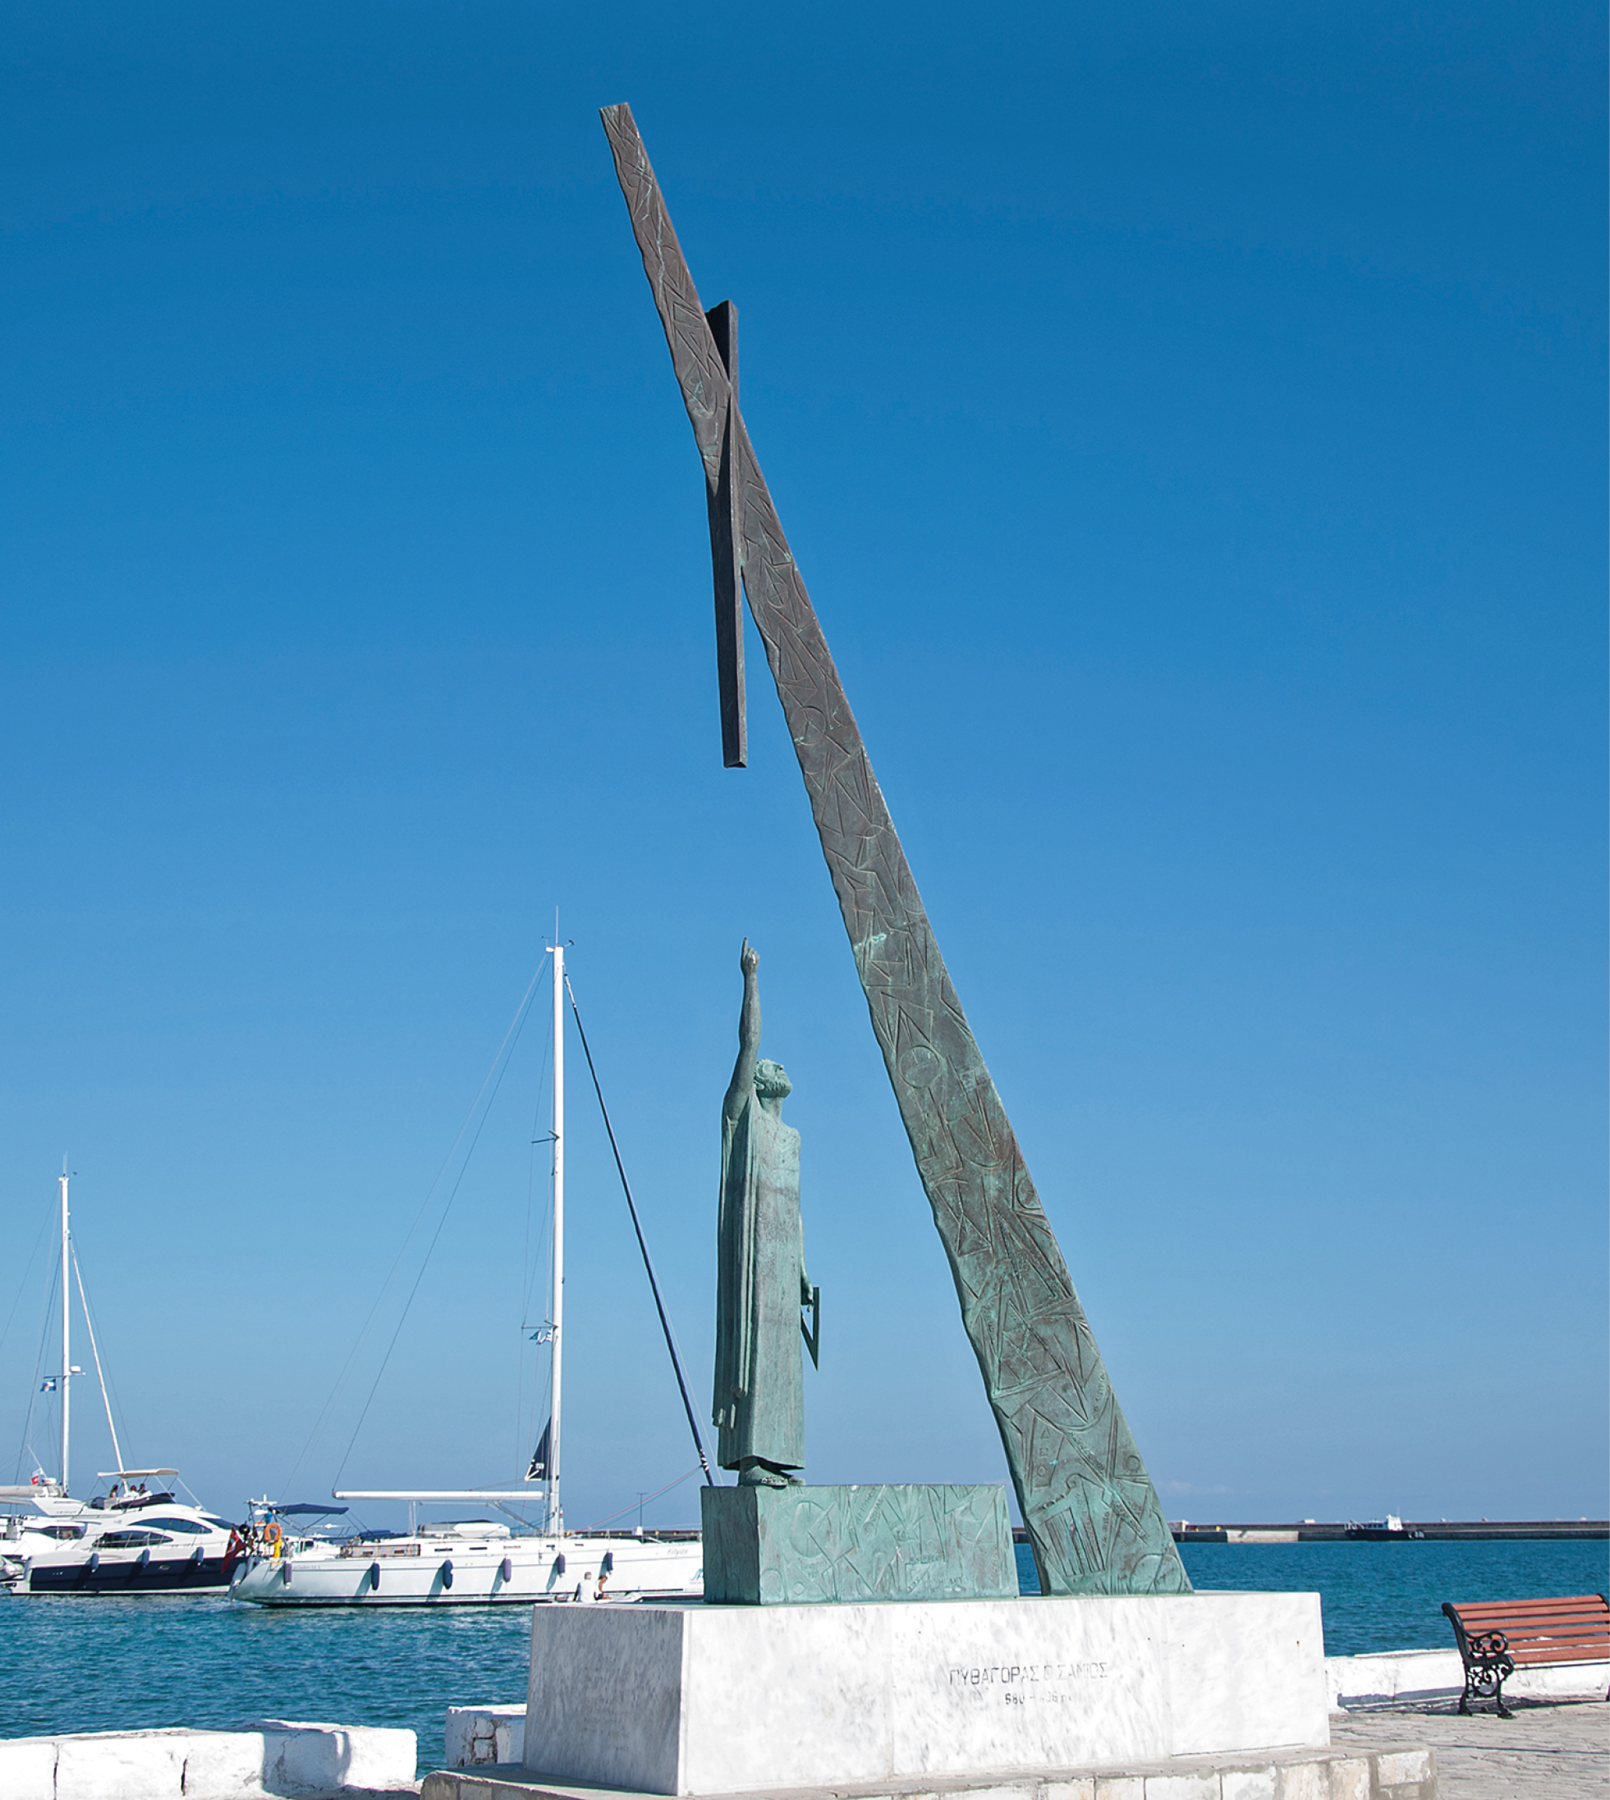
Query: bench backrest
(1573, 1629)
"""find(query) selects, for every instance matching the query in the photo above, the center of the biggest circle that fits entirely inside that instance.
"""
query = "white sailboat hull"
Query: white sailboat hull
(437, 1571)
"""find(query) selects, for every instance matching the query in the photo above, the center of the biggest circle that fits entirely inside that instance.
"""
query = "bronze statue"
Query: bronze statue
(1093, 1517)
(761, 1282)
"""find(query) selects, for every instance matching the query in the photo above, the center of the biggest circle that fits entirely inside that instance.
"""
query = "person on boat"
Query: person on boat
(759, 1406)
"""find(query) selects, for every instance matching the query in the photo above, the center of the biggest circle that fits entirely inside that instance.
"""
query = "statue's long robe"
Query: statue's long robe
(759, 1406)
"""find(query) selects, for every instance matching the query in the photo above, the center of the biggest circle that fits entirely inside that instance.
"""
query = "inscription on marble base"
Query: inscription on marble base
(766, 1546)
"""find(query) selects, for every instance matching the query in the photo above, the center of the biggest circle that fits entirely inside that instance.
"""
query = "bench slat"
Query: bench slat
(1543, 1653)
(1587, 1604)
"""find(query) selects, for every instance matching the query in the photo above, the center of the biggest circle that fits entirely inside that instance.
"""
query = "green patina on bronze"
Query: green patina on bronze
(761, 1284)
(799, 1546)
(1092, 1514)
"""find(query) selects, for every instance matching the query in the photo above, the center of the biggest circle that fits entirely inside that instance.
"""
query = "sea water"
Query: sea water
(107, 1663)
(1388, 1596)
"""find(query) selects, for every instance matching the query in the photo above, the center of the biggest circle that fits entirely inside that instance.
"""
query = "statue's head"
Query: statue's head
(770, 1081)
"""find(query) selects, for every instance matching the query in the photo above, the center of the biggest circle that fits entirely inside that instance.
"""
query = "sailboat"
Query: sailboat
(136, 1538)
(481, 1561)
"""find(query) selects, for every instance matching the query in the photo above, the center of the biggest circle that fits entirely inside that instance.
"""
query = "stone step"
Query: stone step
(1383, 1772)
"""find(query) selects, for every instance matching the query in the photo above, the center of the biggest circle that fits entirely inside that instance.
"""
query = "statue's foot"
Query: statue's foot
(759, 1474)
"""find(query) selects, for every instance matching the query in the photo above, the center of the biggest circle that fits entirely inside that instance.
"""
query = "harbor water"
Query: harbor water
(111, 1663)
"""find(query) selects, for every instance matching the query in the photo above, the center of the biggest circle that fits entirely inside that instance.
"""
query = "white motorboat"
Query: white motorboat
(133, 1539)
(476, 1560)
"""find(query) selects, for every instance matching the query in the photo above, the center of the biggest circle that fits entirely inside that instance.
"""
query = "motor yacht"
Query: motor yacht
(138, 1537)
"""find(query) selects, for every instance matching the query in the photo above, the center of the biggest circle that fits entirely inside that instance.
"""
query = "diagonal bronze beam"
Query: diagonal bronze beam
(1092, 1513)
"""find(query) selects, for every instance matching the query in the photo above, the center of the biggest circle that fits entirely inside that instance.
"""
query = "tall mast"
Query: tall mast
(556, 1518)
(66, 1326)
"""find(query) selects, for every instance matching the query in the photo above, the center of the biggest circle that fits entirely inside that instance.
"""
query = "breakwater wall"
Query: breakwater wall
(1463, 1531)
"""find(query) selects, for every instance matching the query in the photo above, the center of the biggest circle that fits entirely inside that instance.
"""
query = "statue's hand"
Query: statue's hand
(748, 960)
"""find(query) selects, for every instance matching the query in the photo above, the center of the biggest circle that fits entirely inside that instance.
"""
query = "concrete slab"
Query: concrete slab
(1418, 1675)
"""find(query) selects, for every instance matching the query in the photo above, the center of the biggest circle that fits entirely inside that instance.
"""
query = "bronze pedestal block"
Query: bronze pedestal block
(796, 1545)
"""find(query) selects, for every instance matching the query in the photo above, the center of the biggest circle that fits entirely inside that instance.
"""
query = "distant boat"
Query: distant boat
(478, 1561)
(134, 1539)
(1391, 1529)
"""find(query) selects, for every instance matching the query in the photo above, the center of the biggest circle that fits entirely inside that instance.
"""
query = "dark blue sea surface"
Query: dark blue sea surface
(110, 1663)
(1389, 1596)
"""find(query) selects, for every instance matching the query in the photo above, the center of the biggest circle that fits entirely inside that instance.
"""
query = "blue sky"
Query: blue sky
(1188, 421)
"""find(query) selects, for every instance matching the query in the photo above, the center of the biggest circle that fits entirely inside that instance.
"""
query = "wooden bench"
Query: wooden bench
(1497, 1637)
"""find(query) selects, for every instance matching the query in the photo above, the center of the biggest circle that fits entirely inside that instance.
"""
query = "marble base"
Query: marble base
(719, 1699)
(766, 1546)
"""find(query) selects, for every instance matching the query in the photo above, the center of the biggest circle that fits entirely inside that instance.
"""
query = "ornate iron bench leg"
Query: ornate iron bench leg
(1488, 1665)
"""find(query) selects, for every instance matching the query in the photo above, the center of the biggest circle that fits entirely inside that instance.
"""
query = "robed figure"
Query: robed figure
(761, 1283)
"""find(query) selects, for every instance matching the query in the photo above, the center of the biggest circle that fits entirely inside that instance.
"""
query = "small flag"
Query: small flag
(539, 1457)
(49, 1384)
(544, 1335)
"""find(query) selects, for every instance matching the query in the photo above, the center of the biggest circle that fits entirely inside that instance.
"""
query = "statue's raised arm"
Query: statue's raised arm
(743, 1072)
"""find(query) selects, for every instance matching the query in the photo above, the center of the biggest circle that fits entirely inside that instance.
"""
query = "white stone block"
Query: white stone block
(714, 1700)
(121, 1765)
(1121, 1787)
(1069, 1790)
(277, 1757)
(477, 1735)
(1350, 1778)
(28, 1769)
(1304, 1781)
(1249, 1784)
(319, 1758)
(1396, 1768)
(222, 1765)
(1182, 1787)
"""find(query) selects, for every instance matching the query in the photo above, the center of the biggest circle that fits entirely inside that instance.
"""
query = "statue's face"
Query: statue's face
(770, 1081)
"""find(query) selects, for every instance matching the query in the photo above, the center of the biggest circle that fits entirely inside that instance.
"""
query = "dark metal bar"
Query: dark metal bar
(725, 536)
(642, 1244)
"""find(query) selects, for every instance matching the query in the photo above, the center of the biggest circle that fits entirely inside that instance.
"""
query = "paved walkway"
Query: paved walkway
(1546, 1752)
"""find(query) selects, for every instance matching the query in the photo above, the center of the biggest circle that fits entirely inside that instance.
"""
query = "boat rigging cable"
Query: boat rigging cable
(631, 1207)
(642, 1500)
(26, 1448)
(511, 1038)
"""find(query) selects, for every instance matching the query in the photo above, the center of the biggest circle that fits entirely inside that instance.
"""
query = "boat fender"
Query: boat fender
(143, 1560)
(506, 1569)
(607, 1566)
(374, 1576)
(447, 1573)
(285, 1571)
(559, 1563)
(197, 1555)
(94, 1561)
